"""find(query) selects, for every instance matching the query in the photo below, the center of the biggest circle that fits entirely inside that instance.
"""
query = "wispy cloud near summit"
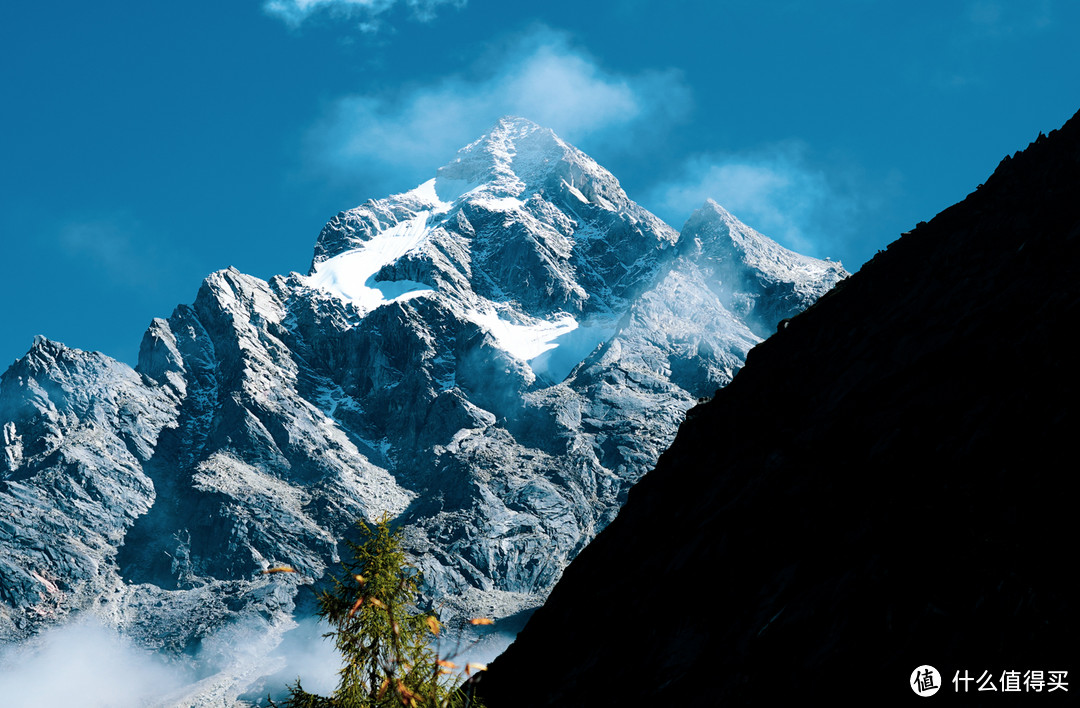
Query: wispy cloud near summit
(404, 135)
(775, 190)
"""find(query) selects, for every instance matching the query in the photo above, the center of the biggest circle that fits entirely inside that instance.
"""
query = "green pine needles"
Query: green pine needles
(385, 643)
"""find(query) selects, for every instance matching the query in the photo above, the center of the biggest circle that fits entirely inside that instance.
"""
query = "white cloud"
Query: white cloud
(87, 664)
(83, 664)
(775, 190)
(404, 136)
(295, 12)
(305, 653)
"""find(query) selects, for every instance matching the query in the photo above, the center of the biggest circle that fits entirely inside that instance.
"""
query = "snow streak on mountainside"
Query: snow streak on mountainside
(494, 357)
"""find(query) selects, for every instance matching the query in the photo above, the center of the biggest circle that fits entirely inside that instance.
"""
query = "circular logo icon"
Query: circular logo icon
(925, 680)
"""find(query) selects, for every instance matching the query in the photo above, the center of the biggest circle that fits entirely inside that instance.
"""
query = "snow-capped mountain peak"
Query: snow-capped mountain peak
(514, 150)
(743, 265)
(714, 226)
(521, 234)
(517, 158)
(494, 356)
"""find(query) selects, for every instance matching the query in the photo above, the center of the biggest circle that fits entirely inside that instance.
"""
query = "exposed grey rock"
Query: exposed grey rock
(78, 430)
(493, 358)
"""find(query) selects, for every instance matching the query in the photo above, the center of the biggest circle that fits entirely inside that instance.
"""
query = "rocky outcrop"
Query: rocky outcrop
(78, 429)
(493, 358)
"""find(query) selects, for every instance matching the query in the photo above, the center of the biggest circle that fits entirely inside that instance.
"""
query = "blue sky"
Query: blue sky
(144, 145)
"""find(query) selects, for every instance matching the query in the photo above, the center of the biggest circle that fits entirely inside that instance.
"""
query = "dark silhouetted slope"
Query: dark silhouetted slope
(887, 483)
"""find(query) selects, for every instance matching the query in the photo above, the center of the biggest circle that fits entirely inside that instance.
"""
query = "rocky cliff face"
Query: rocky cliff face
(493, 358)
(881, 487)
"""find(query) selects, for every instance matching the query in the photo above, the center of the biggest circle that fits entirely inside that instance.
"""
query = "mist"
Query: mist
(85, 664)
(304, 654)
(89, 665)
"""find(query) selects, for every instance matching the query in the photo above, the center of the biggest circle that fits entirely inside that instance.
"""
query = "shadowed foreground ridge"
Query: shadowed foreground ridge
(884, 485)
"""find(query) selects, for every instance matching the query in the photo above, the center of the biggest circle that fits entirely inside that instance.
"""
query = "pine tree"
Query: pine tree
(385, 644)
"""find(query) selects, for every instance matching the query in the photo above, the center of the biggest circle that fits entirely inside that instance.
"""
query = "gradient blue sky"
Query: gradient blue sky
(144, 145)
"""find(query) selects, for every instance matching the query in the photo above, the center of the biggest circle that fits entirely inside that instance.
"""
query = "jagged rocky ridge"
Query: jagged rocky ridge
(494, 358)
(882, 486)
